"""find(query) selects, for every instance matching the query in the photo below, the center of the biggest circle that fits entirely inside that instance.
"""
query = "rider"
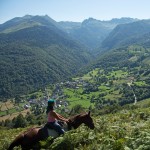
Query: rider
(53, 117)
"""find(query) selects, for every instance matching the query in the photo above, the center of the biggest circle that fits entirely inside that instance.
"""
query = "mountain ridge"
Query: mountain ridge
(35, 56)
(125, 32)
(91, 32)
(42, 42)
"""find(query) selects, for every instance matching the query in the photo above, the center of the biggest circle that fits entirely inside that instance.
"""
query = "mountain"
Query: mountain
(27, 21)
(92, 32)
(127, 34)
(35, 52)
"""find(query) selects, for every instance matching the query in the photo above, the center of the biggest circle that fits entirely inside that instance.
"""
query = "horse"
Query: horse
(32, 136)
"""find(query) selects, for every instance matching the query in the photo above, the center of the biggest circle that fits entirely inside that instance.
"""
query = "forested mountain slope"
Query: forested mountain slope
(127, 34)
(34, 52)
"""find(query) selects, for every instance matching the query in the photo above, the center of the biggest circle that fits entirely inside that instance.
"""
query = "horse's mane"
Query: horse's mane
(73, 120)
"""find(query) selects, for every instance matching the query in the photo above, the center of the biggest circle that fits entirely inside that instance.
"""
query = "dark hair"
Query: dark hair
(49, 108)
(50, 105)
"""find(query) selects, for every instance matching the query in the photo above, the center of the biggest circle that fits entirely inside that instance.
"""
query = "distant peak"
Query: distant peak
(123, 19)
(89, 21)
(27, 16)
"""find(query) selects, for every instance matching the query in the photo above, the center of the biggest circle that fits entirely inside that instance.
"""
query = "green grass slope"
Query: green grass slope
(126, 129)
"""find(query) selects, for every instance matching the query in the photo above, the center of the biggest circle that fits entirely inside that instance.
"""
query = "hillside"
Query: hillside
(90, 32)
(36, 50)
(120, 77)
(34, 53)
(123, 128)
(127, 34)
(27, 21)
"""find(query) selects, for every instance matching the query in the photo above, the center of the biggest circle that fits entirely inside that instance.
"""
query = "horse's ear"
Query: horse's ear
(89, 113)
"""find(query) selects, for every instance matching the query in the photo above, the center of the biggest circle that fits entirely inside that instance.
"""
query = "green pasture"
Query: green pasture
(147, 61)
(3, 113)
(91, 74)
(119, 74)
(120, 82)
(103, 88)
(94, 72)
(112, 96)
(140, 83)
(11, 111)
(75, 97)
(145, 102)
(133, 59)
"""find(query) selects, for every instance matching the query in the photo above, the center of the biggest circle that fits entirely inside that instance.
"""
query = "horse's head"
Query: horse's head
(87, 120)
(77, 120)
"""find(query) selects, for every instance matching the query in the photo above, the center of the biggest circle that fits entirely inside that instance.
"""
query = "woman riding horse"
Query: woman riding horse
(53, 117)
(30, 137)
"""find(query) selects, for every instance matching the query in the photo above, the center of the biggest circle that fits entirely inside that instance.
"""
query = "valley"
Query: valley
(101, 66)
(98, 88)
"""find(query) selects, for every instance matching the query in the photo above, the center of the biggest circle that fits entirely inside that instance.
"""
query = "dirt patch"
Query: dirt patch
(13, 115)
(6, 105)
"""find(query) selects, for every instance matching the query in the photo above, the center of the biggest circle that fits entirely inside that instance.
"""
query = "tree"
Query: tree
(20, 121)
(17, 99)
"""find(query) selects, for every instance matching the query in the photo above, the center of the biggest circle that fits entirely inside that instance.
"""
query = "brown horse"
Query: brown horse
(29, 138)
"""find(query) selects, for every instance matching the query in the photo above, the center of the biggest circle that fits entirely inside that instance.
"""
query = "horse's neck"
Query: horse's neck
(77, 122)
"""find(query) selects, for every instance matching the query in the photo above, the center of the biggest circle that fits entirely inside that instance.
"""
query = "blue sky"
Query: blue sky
(75, 10)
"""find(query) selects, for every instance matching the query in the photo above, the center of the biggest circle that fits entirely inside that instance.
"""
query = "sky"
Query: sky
(75, 10)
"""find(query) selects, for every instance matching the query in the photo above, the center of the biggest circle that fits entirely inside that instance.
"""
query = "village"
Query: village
(37, 104)
(57, 94)
(95, 89)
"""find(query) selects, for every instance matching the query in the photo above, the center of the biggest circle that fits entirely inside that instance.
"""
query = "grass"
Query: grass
(75, 97)
(3, 113)
(143, 103)
(20, 26)
(6, 105)
(119, 73)
(91, 74)
(146, 61)
(11, 111)
(140, 83)
(124, 130)
(12, 115)
(103, 88)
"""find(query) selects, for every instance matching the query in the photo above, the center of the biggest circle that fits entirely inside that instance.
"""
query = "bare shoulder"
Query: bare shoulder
(53, 113)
